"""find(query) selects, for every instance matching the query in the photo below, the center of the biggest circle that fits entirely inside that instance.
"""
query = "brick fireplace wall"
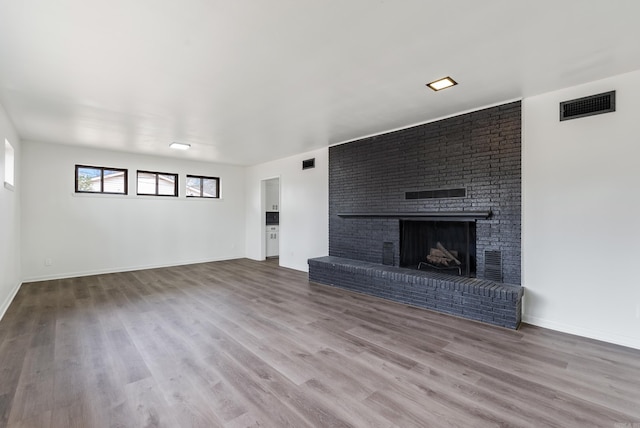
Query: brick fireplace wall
(479, 151)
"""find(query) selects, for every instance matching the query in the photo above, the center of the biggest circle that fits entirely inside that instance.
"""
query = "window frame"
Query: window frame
(102, 170)
(202, 178)
(157, 174)
(9, 165)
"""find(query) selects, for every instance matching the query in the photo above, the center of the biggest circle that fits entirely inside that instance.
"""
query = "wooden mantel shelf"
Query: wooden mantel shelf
(431, 215)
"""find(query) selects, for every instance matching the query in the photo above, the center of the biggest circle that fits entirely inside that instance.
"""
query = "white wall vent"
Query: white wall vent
(588, 106)
(309, 163)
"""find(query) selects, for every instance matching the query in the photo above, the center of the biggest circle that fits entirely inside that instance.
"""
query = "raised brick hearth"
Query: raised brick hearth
(472, 298)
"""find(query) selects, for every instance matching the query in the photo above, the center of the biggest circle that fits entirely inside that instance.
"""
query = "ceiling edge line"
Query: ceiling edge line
(400, 128)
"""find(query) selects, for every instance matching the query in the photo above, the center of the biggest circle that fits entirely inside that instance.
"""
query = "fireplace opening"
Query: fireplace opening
(443, 246)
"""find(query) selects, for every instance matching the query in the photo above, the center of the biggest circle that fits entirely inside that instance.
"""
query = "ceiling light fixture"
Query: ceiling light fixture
(445, 82)
(180, 146)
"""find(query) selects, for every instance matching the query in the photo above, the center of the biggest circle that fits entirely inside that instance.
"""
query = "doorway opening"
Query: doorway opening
(271, 217)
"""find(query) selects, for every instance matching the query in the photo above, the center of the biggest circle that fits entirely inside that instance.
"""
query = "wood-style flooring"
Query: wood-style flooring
(248, 344)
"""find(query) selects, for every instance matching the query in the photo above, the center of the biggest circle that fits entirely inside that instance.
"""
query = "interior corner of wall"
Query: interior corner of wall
(7, 302)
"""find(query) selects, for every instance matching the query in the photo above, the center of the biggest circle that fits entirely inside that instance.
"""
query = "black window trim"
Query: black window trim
(202, 178)
(157, 174)
(102, 170)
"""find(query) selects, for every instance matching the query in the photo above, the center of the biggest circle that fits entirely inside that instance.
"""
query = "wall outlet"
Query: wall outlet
(48, 262)
(638, 311)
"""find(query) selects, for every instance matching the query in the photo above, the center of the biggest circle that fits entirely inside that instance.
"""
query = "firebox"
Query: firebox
(444, 246)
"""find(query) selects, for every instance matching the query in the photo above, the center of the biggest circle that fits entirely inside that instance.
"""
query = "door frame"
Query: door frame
(263, 226)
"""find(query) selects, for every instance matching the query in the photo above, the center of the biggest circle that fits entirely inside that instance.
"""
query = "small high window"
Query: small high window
(9, 164)
(100, 179)
(203, 187)
(157, 183)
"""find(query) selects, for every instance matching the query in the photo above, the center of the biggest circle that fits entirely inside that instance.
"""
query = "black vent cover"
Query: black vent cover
(588, 106)
(493, 265)
(437, 194)
(309, 163)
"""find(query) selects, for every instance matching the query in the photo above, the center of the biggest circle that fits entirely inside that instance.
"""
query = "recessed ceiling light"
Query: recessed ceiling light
(445, 82)
(180, 146)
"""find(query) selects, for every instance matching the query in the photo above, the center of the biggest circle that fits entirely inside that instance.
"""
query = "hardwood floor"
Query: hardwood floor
(248, 344)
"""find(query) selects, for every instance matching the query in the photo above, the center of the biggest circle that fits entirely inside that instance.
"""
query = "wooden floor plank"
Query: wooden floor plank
(241, 343)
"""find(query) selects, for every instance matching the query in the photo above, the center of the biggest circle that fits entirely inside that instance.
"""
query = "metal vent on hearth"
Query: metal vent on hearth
(493, 265)
(588, 106)
(388, 253)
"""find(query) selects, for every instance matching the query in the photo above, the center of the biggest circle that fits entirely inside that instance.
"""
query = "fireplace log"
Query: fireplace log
(437, 257)
(448, 254)
(436, 253)
(438, 260)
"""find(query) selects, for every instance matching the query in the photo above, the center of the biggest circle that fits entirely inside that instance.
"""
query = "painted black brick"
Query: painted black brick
(480, 151)
(471, 298)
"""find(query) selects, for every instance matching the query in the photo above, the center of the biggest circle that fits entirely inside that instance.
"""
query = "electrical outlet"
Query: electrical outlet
(638, 311)
(48, 262)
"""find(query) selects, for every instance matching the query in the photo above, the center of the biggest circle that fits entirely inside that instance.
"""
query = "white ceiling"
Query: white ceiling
(246, 81)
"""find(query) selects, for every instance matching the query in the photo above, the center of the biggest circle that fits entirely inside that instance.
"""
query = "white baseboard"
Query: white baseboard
(8, 300)
(283, 263)
(304, 268)
(63, 275)
(630, 342)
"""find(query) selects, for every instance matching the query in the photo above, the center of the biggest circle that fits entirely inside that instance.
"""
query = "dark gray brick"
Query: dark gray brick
(480, 151)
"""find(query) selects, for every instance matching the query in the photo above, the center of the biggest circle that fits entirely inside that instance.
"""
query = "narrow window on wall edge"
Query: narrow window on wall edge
(199, 186)
(101, 179)
(155, 183)
(9, 165)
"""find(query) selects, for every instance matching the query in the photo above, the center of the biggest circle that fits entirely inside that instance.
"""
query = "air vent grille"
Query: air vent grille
(588, 106)
(309, 163)
(437, 194)
(493, 265)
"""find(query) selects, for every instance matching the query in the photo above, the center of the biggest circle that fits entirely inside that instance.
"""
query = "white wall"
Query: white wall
(87, 234)
(581, 214)
(10, 274)
(304, 209)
